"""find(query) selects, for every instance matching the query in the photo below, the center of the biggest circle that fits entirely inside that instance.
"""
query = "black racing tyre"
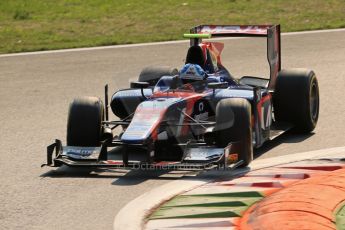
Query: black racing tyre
(84, 123)
(296, 99)
(152, 74)
(233, 124)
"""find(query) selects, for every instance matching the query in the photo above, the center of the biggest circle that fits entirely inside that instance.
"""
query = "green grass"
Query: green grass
(340, 217)
(30, 25)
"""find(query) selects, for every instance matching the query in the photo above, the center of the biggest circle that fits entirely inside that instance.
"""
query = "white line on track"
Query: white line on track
(153, 44)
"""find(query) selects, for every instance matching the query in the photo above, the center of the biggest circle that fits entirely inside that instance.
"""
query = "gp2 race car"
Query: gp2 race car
(174, 122)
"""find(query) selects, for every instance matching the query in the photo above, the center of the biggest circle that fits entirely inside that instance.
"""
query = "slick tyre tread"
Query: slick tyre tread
(152, 74)
(84, 123)
(233, 124)
(296, 99)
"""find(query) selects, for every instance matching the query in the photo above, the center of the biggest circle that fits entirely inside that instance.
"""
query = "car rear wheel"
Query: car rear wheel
(233, 124)
(152, 74)
(296, 99)
(84, 124)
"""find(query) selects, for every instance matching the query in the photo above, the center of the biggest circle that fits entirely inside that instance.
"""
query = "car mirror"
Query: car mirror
(218, 85)
(139, 85)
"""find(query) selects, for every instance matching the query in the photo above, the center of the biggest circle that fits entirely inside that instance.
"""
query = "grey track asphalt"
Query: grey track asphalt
(35, 91)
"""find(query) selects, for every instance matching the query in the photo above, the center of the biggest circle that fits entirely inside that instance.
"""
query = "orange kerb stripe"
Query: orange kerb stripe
(309, 204)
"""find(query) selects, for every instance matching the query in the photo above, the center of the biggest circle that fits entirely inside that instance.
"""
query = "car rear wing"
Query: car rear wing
(272, 32)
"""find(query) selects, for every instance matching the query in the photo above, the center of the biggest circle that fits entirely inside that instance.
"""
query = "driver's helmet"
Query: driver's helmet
(192, 73)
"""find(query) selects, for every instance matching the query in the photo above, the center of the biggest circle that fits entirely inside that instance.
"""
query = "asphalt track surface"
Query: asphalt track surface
(35, 91)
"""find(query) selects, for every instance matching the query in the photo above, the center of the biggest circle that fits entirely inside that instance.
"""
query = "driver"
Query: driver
(193, 77)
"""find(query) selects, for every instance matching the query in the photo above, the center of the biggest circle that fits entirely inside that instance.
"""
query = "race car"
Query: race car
(196, 117)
